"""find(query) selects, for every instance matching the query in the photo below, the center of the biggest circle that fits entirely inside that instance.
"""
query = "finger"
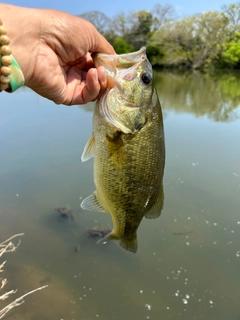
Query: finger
(103, 45)
(92, 87)
(102, 78)
(88, 62)
(97, 42)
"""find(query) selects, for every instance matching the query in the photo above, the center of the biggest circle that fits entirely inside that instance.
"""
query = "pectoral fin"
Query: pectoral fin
(156, 209)
(130, 121)
(139, 121)
(88, 151)
(116, 150)
(91, 203)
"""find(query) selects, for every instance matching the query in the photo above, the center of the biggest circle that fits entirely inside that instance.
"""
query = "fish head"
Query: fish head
(130, 73)
(130, 89)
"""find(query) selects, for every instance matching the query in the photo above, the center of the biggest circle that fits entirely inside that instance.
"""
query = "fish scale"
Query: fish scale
(128, 148)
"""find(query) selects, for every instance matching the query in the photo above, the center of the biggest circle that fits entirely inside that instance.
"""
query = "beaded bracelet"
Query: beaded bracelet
(11, 76)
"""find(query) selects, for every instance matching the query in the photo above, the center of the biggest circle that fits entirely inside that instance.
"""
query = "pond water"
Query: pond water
(188, 261)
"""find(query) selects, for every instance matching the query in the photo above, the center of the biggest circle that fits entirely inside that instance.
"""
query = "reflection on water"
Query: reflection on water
(201, 94)
(188, 262)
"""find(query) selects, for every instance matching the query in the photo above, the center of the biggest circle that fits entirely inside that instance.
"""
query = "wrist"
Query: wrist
(22, 25)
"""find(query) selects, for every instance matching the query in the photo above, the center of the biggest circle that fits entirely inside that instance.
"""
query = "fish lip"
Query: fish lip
(100, 58)
(111, 63)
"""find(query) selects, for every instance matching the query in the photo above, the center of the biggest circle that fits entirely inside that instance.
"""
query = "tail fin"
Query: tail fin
(128, 244)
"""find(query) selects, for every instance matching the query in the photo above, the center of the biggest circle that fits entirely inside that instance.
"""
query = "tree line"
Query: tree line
(202, 41)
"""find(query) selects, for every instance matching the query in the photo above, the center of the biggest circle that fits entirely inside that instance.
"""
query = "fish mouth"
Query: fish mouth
(123, 65)
(113, 61)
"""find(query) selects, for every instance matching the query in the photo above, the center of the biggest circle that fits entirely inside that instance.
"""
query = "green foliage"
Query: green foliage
(121, 46)
(231, 55)
(140, 32)
(230, 86)
(203, 41)
(155, 54)
(193, 42)
(177, 42)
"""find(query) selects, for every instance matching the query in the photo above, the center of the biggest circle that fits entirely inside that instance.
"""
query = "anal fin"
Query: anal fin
(156, 209)
(107, 238)
(128, 244)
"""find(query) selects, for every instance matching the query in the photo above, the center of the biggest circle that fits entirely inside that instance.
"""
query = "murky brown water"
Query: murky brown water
(188, 262)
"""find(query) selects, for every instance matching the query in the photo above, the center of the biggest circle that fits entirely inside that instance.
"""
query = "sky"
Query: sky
(113, 7)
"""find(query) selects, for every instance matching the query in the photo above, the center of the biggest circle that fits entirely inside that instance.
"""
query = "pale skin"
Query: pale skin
(54, 49)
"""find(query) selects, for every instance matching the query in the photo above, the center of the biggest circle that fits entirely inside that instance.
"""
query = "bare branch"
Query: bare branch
(2, 265)
(7, 294)
(18, 301)
(8, 246)
(16, 235)
(4, 282)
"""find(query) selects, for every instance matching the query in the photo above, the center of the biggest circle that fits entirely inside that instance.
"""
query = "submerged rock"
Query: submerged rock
(65, 212)
(97, 232)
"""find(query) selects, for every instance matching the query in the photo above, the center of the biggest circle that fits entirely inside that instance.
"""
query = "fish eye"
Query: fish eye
(146, 77)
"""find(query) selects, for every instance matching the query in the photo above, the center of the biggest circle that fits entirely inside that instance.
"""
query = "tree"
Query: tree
(193, 42)
(120, 27)
(212, 32)
(155, 53)
(232, 13)
(141, 28)
(197, 41)
(178, 42)
(231, 54)
(121, 46)
(98, 19)
(161, 14)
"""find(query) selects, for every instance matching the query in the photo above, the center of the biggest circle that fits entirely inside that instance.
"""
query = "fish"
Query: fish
(128, 147)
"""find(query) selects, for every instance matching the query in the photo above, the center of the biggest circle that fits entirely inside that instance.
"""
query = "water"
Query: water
(187, 265)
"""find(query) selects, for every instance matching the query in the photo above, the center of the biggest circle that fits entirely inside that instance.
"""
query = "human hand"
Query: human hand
(54, 50)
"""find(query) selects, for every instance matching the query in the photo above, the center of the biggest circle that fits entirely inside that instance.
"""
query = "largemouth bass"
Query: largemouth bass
(128, 147)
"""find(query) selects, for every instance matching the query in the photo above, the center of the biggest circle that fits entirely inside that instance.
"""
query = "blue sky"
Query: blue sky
(113, 7)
